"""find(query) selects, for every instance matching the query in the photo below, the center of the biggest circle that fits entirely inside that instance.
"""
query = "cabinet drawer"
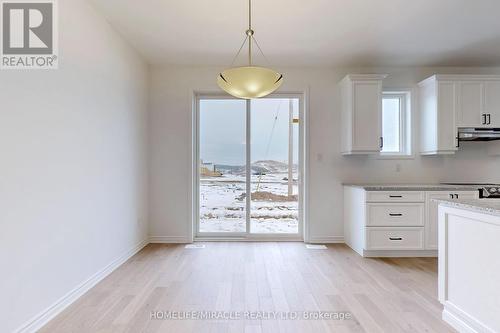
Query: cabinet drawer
(395, 214)
(395, 196)
(403, 238)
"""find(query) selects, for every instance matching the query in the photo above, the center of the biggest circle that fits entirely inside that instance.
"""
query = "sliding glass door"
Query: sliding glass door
(249, 157)
(274, 204)
(222, 166)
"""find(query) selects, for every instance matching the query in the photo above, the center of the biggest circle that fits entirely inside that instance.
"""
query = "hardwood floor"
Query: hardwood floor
(383, 295)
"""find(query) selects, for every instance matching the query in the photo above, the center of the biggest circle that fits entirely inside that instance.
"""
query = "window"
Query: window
(396, 124)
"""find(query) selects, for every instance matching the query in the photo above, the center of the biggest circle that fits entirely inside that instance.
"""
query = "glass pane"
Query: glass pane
(222, 165)
(391, 125)
(274, 190)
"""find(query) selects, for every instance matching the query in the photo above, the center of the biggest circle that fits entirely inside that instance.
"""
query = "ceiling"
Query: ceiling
(313, 32)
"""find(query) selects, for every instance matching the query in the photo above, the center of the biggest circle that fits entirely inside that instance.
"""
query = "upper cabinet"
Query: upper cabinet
(361, 96)
(438, 103)
(448, 102)
(470, 104)
(479, 101)
(492, 102)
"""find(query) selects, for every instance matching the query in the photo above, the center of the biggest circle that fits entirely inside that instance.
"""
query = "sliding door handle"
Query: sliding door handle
(484, 119)
(381, 142)
(489, 119)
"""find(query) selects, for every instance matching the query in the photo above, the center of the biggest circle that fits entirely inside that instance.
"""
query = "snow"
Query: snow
(222, 204)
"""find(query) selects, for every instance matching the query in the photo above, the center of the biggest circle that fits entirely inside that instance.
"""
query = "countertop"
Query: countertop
(414, 187)
(487, 206)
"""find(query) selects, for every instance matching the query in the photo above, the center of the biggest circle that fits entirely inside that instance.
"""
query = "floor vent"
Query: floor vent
(195, 246)
(316, 247)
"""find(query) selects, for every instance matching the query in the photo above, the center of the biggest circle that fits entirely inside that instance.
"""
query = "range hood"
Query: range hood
(478, 134)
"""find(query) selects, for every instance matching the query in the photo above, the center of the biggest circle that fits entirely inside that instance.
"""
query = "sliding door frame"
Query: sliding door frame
(303, 177)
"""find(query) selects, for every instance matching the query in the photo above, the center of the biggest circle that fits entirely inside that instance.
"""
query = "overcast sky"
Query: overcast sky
(222, 130)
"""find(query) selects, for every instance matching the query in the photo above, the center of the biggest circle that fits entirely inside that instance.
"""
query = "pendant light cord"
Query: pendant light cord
(250, 37)
(263, 55)
(249, 32)
(249, 14)
(239, 51)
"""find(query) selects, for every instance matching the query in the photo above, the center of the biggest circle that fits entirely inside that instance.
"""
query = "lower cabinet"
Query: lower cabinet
(394, 238)
(394, 223)
(431, 221)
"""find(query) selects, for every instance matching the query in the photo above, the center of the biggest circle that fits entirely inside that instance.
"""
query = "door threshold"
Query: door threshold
(248, 239)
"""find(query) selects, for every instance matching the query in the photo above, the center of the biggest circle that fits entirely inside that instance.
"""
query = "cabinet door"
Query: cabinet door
(431, 222)
(446, 112)
(367, 124)
(470, 104)
(492, 103)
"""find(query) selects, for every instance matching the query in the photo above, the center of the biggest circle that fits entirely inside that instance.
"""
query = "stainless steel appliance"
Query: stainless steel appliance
(486, 191)
(478, 134)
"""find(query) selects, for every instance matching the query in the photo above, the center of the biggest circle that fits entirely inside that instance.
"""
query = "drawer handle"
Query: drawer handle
(395, 196)
(394, 214)
(396, 238)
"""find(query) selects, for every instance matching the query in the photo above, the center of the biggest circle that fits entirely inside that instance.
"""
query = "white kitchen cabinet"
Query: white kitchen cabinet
(361, 113)
(470, 104)
(431, 221)
(478, 102)
(492, 103)
(398, 223)
(395, 214)
(448, 102)
(469, 269)
(394, 239)
(385, 223)
(438, 101)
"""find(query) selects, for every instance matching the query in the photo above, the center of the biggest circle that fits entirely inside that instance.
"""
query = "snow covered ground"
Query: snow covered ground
(222, 205)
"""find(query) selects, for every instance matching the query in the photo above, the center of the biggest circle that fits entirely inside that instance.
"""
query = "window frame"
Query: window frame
(303, 232)
(405, 125)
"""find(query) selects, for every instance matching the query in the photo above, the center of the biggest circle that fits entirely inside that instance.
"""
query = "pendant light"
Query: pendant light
(249, 81)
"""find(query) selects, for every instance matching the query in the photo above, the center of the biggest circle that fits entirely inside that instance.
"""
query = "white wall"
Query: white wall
(170, 140)
(73, 176)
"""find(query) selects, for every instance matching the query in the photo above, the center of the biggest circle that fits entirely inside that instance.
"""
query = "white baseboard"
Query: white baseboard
(400, 253)
(170, 239)
(327, 240)
(462, 321)
(45, 316)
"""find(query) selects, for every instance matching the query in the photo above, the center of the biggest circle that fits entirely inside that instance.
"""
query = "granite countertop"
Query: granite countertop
(414, 187)
(487, 206)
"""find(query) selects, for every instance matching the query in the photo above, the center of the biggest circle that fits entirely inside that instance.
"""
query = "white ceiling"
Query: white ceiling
(313, 32)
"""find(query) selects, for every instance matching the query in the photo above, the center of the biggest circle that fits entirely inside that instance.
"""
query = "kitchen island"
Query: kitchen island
(469, 264)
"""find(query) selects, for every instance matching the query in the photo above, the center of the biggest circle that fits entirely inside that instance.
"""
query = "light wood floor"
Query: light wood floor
(383, 295)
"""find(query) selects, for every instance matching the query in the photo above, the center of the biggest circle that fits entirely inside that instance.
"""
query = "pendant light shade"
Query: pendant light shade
(249, 81)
